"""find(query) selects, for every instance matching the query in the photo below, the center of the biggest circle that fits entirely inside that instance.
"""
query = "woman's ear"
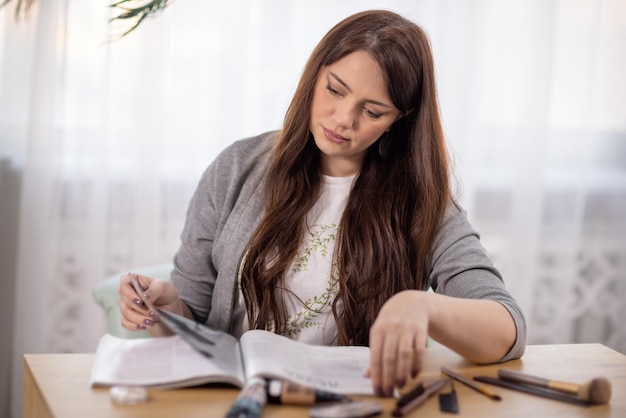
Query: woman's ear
(407, 113)
(401, 115)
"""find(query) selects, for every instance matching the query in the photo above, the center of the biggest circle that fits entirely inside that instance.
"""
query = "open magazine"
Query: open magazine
(171, 362)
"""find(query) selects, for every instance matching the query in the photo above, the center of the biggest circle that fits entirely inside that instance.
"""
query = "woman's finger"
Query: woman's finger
(134, 319)
(419, 352)
(135, 314)
(389, 362)
(405, 358)
(376, 362)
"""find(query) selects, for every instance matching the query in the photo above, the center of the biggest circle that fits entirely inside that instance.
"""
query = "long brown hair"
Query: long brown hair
(396, 205)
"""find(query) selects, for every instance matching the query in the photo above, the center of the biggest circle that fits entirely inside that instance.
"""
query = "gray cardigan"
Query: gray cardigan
(228, 205)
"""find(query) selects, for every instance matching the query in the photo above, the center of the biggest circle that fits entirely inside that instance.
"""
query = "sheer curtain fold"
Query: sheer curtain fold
(103, 142)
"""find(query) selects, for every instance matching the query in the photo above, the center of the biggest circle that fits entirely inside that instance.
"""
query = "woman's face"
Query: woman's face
(351, 110)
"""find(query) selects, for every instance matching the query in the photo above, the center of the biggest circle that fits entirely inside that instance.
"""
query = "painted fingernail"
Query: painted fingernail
(139, 326)
(137, 302)
(148, 322)
(154, 315)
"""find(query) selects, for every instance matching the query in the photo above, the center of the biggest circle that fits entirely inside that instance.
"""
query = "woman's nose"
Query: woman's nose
(344, 116)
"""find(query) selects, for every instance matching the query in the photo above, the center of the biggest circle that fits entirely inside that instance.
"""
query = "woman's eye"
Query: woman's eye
(371, 114)
(332, 90)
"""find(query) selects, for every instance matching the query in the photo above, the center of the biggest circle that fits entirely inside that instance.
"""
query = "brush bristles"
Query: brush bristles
(598, 391)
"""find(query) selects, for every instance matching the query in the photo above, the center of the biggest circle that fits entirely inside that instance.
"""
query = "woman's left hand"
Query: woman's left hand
(398, 340)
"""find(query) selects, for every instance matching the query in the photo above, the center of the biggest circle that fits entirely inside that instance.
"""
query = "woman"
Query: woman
(331, 230)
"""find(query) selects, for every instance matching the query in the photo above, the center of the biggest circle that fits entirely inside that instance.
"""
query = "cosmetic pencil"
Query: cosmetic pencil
(250, 401)
(409, 396)
(477, 387)
(429, 390)
(285, 392)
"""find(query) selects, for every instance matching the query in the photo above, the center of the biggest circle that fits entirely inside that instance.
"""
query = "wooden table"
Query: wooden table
(56, 385)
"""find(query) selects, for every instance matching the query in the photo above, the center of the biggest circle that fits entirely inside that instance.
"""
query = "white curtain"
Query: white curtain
(102, 141)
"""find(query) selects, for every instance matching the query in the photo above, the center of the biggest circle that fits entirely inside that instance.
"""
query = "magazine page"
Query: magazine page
(164, 362)
(330, 368)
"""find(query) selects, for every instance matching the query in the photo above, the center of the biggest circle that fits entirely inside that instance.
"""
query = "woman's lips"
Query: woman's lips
(334, 137)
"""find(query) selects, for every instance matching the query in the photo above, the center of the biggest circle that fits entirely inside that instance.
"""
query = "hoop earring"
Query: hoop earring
(384, 142)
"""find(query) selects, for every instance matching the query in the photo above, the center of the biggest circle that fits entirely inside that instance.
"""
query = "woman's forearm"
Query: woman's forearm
(480, 330)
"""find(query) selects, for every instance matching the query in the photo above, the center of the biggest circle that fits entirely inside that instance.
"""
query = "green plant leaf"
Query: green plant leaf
(134, 14)
(137, 13)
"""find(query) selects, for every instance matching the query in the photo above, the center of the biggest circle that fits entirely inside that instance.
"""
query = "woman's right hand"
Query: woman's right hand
(136, 315)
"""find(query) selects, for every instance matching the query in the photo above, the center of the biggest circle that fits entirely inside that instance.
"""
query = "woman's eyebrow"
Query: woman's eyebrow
(343, 83)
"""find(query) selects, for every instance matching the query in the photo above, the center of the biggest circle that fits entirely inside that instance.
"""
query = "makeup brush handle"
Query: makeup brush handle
(534, 390)
(515, 376)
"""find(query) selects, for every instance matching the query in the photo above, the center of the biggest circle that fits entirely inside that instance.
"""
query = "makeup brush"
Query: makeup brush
(597, 391)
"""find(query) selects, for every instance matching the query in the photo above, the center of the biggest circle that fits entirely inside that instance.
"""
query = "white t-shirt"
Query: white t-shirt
(311, 283)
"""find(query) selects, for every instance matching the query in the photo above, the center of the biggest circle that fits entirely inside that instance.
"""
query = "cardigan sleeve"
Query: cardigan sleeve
(194, 273)
(208, 257)
(461, 268)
